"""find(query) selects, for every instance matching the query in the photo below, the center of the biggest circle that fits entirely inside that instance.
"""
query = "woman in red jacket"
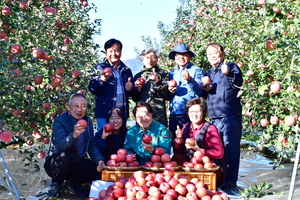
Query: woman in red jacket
(206, 135)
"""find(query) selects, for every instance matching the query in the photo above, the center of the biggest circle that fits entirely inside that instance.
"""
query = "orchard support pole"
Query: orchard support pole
(9, 176)
(292, 185)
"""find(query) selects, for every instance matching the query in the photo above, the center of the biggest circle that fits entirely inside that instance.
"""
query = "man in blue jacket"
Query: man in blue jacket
(73, 155)
(111, 89)
(224, 108)
(188, 79)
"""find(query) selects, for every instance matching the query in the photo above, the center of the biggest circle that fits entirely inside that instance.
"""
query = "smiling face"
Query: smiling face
(214, 55)
(113, 54)
(182, 59)
(195, 114)
(150, 60)
(78, 107)
(143, 117)
(115, 120)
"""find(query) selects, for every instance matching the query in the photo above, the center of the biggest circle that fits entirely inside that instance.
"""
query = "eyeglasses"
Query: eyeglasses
(195, 112)
(146, 116)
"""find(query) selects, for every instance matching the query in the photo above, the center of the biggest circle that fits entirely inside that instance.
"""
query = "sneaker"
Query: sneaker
(54, 189)
(233, 191)
(76, 188)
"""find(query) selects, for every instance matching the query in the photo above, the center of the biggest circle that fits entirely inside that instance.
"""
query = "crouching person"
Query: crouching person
(73, 156)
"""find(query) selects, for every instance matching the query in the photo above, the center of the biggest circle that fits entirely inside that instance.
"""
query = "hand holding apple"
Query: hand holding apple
(78, 129)
(105, 134)
(148, 147)
(128, 85)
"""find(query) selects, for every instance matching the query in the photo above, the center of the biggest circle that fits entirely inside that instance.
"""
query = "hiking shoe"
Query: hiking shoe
(233, 191)
(76, 188)
(54, 189)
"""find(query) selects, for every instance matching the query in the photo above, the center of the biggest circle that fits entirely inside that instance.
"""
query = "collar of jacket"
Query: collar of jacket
(218, 67)
(150, 69)
(121, 65)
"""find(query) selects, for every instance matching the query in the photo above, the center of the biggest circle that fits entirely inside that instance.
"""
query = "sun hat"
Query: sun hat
(180, 48)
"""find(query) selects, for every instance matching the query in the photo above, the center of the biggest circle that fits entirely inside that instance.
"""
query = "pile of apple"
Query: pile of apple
(198, 161)
(159, 186)
(121, 159)
(159, 159)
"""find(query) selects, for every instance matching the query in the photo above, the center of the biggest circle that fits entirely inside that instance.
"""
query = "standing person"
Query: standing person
(146, 125)
(111, 90)
(155, 90)
(109, 143)
(188, 79)
(225, 110)
(71, 145)
(206, 135)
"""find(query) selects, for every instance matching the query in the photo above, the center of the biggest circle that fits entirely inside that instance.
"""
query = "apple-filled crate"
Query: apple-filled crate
(165, 185)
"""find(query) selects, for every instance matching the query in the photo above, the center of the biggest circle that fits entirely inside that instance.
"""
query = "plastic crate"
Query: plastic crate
(209, 178)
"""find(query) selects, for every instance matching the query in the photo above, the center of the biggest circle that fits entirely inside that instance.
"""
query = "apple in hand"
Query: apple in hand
(107, 71)
(82, 123)
(109, 127)
(205, 80)
(140, 81)
(147, 139)
(172, 83)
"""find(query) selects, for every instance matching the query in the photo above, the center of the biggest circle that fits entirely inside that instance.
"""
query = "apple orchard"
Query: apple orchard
(262, 37)
(46, 55)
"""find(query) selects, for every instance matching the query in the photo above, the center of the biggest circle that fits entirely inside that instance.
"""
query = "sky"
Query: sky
(128, 20)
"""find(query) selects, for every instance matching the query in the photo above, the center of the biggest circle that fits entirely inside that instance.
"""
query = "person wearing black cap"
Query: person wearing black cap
(188, 79)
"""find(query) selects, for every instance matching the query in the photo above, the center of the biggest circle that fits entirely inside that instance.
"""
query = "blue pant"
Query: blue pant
(177, 120)
(230, 129)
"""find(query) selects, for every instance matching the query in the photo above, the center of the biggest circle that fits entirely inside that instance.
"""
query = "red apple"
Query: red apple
(6, 11)
(270, 45)
(113, 157)
(5, 136)
(275, 87)
(201, 192)
(173, 193)
(195, 161)
(138, 174)
(140, 181)
(168, 197)
(75, 73)
(122, 151)
(147, 139)
(122, 164)
(36, 53)
(169, 171)
(130, 192)
(140, 81)
(136, 163)
(109, 128)
(183, 181)
(111, 163)
(3, 34)
(165, 158)
(23, 5)
(172, 83)
(38, 80)
(157, 165)
(198, 155)
(41, 154)
(16, 49)
(289, 120)
(148, 164)
(264, 122)
(82, 123)
(46, 140)
(121, 157)
(173, 182)
(155, 158)
(118, 184)
(59, 70)
(140, 195)
(180, 189)
(205, 80)
(205, 159)
(129, 158)
(107, 71)
(274, 120)
(191, 187)
(159, 151)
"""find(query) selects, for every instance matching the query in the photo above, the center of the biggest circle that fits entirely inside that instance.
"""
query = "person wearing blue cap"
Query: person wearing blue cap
(188, 85)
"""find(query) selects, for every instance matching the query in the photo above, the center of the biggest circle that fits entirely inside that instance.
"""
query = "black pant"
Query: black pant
(65, 166)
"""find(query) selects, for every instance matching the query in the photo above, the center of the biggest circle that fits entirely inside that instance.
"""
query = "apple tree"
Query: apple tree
(262, 37)
(47, 53)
